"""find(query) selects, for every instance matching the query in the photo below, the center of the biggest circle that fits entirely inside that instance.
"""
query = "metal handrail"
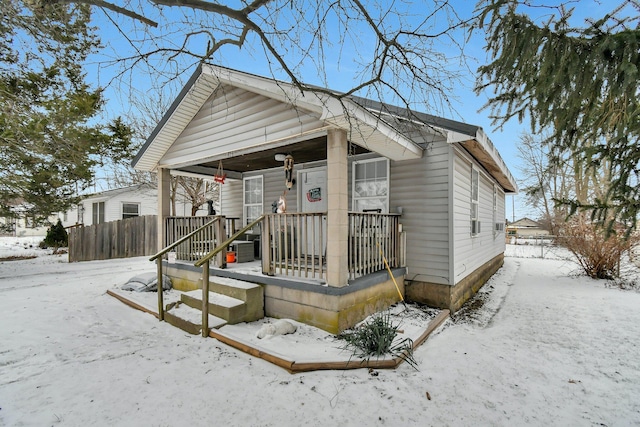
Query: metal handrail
(226, 243)
(158, 259)
(183, 239)
(204, 263)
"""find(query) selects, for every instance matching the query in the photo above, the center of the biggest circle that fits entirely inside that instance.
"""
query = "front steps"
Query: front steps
(231, 301)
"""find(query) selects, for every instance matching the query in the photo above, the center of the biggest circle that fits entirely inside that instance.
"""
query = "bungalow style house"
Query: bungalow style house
(526, 227)
(348, 204)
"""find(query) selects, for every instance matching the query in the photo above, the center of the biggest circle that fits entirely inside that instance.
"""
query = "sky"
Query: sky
(143, 81)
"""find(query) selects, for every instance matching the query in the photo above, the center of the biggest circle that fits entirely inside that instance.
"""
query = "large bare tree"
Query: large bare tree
(406, 53)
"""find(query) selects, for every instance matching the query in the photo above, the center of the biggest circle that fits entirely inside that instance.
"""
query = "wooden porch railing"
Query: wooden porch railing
(372, 235)
(201, 242)
(204, 263)
(294, 244)
(175, 243)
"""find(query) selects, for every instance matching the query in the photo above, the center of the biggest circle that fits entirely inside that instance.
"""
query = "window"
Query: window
(252, 201)
(498, 225)
(65, 216)
(475, 192)
(98, 213)
(371, 185)
(130, 210)
(80, 214)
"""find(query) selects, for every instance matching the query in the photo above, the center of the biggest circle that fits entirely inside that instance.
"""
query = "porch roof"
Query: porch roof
(364, 129)
(371, 126)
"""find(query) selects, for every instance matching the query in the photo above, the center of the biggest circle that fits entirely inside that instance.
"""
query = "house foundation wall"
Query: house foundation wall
(328, 308)
(453, 297)
(333, 313)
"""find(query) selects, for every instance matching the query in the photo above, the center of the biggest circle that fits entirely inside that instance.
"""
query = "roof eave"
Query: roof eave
(483, 150)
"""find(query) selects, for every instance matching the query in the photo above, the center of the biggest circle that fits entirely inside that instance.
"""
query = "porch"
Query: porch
(289, 245)
(291, 266)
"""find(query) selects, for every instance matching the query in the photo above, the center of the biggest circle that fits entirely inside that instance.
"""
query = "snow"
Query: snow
(540, 345)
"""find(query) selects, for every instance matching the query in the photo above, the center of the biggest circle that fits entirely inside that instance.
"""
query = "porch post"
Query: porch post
(338, 208)
(164, 203)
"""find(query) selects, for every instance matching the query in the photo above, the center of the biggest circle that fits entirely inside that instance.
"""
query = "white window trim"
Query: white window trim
(129, 203)
(474, 204)
(244, 204)
(95, 217)
(498, 225)
(353, 182)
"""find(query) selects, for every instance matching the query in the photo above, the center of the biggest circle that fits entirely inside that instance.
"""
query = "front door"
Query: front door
(312, 184)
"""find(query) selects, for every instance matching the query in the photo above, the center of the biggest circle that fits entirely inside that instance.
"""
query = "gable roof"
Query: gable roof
(108, 194)
(377, 126)
(525, 223)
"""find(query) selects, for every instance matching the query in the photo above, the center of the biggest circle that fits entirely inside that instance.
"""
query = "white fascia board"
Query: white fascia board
(341, 112)
(283, 92)
(170, 127)
(489, 153)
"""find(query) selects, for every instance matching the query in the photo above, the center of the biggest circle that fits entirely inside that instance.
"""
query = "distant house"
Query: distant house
(526, 227)
(372, 183)
(21, 224)
(113, 205)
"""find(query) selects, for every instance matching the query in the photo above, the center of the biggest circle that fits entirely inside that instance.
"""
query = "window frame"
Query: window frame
(474, 207)
(354, 173)
(246, 206)
(129, 215)
(97, 217)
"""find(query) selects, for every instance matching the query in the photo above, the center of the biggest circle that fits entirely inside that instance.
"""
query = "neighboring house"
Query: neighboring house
(121, 203)
(113, 205)
(427, 192)
(22, 225)
(526, 227)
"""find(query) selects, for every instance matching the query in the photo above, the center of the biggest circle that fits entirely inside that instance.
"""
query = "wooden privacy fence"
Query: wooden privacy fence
(116, 239)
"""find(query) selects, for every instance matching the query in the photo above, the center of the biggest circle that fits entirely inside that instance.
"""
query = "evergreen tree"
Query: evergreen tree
(50, 143)
(581, 82)
(56, 237)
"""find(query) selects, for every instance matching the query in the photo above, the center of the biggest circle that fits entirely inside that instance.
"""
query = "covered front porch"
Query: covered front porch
(335, 242)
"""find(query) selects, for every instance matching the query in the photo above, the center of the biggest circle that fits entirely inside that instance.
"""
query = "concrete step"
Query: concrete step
(231, 309)
(251, 293)
(189, 319)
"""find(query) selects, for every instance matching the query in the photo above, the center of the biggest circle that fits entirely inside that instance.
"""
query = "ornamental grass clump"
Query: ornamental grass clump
(376, 338)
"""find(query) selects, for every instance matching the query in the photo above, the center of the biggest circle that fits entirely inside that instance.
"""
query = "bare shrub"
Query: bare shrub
(598, 254)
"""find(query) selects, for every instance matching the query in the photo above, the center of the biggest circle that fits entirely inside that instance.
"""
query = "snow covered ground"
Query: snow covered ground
(541, 345)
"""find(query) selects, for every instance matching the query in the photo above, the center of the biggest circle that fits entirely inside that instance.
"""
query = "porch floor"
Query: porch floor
(309, 348)
(254, 269)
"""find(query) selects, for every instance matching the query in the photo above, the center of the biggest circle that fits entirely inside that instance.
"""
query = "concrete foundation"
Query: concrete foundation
(328, 308)
(453, 297)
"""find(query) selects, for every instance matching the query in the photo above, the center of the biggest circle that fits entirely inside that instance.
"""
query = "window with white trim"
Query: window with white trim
(371, 185)
(130, 210)
(98, 213)
(252, 200)
(498, 226)
(475, 196)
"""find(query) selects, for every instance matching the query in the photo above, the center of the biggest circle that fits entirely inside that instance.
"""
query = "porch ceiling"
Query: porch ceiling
(311, 150)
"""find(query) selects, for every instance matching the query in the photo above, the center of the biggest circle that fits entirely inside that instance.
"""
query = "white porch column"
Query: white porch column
(164, 203)
(338, 208)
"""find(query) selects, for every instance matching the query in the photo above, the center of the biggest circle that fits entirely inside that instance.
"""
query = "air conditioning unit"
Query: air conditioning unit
(475, 227)
(499, 226)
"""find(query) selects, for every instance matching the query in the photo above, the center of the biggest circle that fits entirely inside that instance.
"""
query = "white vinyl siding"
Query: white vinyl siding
(421, 188)
(145, 196)
(233, 119)
(472, 252)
